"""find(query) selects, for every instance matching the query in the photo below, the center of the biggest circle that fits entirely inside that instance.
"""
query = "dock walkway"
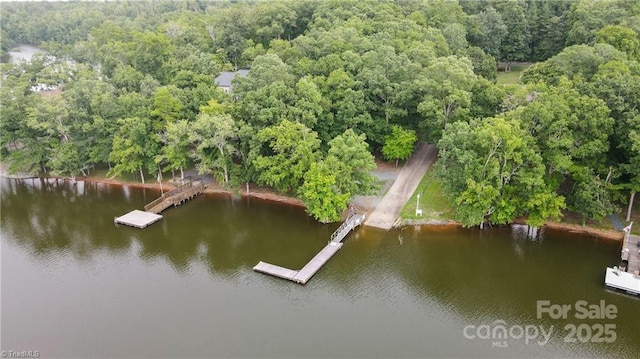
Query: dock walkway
(177, 196)
(313, 266)
(150, 215)
(631, 245)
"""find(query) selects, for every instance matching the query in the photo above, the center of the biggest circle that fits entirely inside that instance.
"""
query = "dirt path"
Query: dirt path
(388, 210)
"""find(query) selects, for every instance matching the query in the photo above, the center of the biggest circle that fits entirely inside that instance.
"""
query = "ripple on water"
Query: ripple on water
(187, 282)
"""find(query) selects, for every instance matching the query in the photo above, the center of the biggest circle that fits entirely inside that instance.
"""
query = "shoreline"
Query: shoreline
(566, 227)
(269, 195)
(211, 188)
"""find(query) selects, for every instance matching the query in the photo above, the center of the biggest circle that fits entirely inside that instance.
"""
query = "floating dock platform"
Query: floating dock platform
(313, 266)
(626, 278)
(617, 279)
(137, 218)
(175, 197)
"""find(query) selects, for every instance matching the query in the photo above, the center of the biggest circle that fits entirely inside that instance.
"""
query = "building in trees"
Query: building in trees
(225, 79)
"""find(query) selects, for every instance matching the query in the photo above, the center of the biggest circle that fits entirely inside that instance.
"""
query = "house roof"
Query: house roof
(225, 77)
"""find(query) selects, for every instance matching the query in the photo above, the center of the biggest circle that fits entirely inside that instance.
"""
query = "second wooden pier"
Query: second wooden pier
(313, 266)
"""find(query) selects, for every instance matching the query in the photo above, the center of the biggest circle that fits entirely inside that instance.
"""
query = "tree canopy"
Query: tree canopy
(130, 86)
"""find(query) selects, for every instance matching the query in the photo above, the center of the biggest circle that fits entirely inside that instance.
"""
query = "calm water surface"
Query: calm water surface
(75, 285)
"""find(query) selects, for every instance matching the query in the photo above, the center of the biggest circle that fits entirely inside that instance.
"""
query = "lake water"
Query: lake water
(76, 285)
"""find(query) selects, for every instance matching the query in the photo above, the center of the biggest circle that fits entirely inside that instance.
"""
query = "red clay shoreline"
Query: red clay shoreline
(566, 227)
(258, 192)
(268, 195)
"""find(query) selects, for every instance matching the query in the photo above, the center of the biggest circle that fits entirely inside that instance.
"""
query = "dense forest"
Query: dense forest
(330, 84)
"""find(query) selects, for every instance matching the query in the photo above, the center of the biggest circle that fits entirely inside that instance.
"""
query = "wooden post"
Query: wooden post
(633, 196)
(160, 180)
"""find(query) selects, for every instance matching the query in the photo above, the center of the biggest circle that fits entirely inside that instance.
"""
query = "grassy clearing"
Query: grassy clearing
(434, 205)
(512, 77)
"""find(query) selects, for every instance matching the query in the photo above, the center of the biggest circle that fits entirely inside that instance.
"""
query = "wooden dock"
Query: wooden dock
(150, 215)
(176, 197)
(316, 263)
(630, 248)
(276, 271)
(627, 276)
(313, 266)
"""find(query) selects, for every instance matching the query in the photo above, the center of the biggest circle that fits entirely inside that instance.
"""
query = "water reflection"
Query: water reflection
(47, 216)
(384, 285)
(501, 273)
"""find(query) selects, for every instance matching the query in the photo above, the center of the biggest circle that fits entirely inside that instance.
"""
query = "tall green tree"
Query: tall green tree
(489, 31)
(399, 144)
(492, 172)
(456, 36)
(214, 137)
(352, 163)
(515, 44)
(66, 160)
(129, 152)
(633, 167)
(285, 153)
(230, 29)
(274, 20)
(385, 77)
(591, 196)
(587, 17)
(622, 38)
(176, 146)
(321, 194)
(447, 84)
(572, 130)
(167, 107)
(151, 52)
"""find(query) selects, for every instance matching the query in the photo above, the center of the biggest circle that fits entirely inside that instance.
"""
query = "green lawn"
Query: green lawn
(432, 202)
(435, 207)
(512, 77)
